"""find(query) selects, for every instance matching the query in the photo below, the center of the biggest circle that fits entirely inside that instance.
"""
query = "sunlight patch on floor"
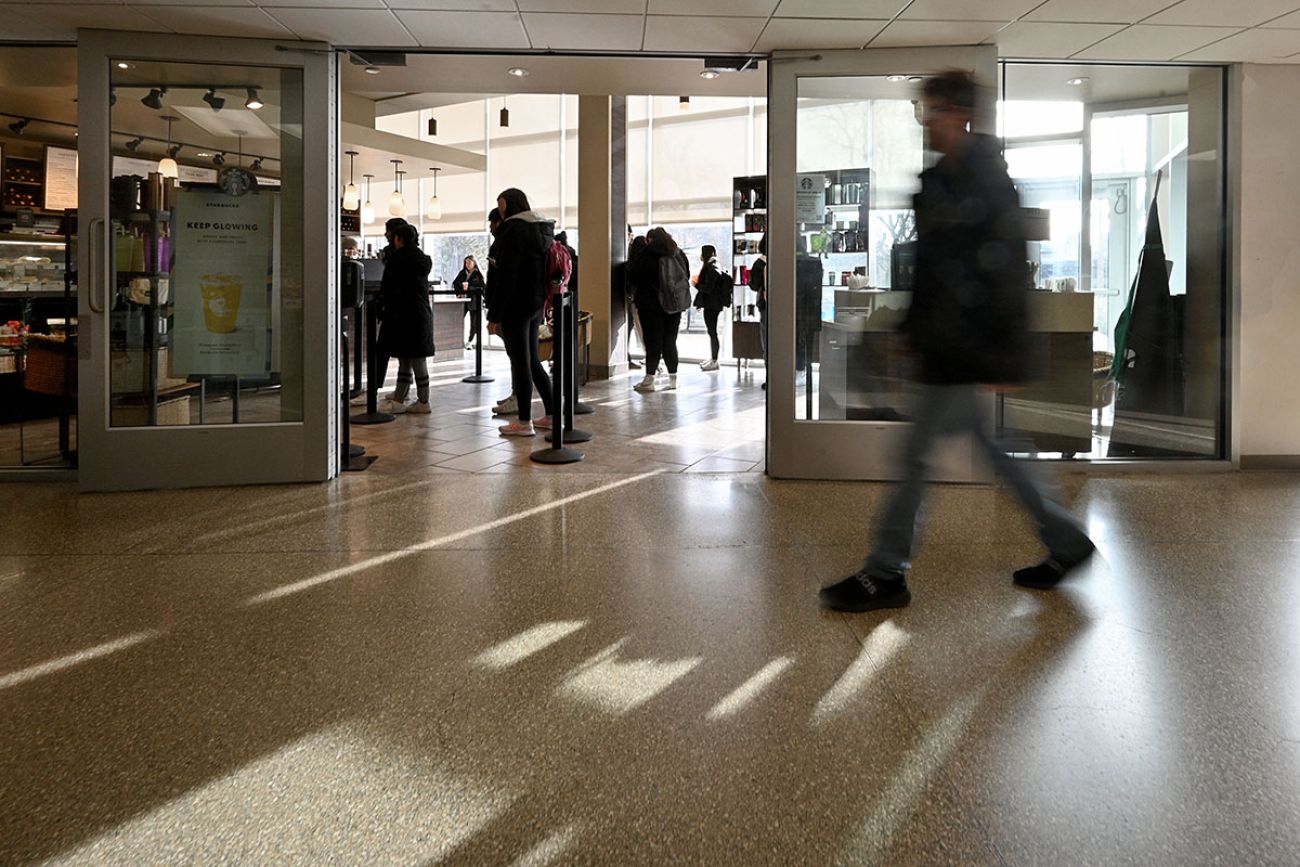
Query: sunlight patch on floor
(526, 643)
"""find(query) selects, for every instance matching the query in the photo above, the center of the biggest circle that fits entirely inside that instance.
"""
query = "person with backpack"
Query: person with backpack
(662, 276)
(713, 294)
(406, 326)
(519, 287)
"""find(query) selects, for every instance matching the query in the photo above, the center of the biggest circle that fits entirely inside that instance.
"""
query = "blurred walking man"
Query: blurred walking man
(967, 330)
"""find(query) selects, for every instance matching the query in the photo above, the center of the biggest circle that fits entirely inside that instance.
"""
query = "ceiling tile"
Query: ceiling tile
(178, 2)
(448, 5)
(714, 8)
(609, 7)
(908, 33)
(320, 4)
(1292, 21)
(63, 19)
(218, 20)
(345, 26)
(877, 9)
(1097, 11)
(584, 32)
(969, 10)
(1218, 13)
(465, 29)
(1043, 39)
(819, 33)
(665, 33)
(1251, 46)
(1153, 42)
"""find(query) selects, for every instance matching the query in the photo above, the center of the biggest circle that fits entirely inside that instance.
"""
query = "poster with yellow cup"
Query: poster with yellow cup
(222, 282)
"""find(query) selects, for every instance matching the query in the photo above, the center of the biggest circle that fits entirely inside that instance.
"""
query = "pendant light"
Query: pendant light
(683, 103)
(167, 165)
(433, 127)
(396, 204)
(505, 113)
(351, 195)
(434, 210)
(368, 209)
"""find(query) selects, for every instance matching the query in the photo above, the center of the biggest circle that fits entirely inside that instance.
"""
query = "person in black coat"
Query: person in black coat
(967, 328)
(712, 296)
(659, 326)
(470, 277)
(519, 287)
(406, 321)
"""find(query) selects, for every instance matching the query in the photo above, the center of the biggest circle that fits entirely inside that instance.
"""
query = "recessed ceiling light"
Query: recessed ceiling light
(122, 64)
(896, 78)
(1077, 81)
(517, 71)
(709, 74)
(915, 78)
(203, 154)
(372, 70)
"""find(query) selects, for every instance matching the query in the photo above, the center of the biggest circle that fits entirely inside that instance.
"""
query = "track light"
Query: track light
(18, 126)
(213, 100)
(154, 99)
(134, 144)
(433, 127)
(174, 150)
(219, 160)
(254, 101)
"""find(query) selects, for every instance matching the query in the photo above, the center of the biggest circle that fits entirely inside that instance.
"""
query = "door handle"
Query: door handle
(96, 254)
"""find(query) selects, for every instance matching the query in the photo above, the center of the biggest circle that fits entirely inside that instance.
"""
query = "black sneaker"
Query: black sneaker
(864, 592)
(1047, 574)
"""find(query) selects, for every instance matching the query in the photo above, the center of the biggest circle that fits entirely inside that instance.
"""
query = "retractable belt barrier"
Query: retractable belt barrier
(374, 376)
(559, 453)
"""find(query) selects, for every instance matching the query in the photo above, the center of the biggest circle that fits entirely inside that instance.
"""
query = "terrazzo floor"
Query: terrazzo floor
(627, 666)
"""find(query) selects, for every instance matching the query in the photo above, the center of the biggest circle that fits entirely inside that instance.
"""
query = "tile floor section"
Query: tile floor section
(712, 423)
(629, 668)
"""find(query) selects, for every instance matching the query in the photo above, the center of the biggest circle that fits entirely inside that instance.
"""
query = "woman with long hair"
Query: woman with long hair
(711, 299)
(519, 293)
(646, 271)
(469, 278)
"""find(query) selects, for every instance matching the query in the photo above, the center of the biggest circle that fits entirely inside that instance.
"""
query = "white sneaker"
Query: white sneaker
(672, 382)
(359, 400)
(711, 364)
(646, 385)
(420, 408)
(509, 406)
(396, 407)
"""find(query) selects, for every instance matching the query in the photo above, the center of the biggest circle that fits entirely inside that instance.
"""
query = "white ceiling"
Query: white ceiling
(1259, 31)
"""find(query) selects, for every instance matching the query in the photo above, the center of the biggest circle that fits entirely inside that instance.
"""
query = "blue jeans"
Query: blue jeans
(955, 409)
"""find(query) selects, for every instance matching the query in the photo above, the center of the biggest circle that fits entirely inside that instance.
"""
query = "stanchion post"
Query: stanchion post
(569, 373)
(372, 415)
(352, 458)
(558, 453)
(478, 345)
(579, 407)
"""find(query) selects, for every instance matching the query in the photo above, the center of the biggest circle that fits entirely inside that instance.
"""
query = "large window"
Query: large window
(1126, 309)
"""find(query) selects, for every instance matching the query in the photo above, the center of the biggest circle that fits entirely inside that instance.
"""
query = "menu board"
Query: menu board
(60, 178)
(221, 283)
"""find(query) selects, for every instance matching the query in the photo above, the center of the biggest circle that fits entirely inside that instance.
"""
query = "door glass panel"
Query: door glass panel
(859, 153)
(206, 207)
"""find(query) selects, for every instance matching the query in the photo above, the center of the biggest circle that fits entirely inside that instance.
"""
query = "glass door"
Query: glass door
(840, 252)
(208, 247)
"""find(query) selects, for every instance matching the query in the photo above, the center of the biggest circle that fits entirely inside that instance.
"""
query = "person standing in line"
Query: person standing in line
(622, 280)
(391, 226)
(967, 328)
(469, 278)
(660, 259)
(491, 308)
(711, 297)
(407, 328)
(519, 287)
(758, 283)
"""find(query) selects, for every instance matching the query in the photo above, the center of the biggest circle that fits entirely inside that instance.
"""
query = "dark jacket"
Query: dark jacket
(644, 275)
(406, 324)
(708, 294)
(758, 281)
(518, 277)
(967, 322)
(475, 280)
